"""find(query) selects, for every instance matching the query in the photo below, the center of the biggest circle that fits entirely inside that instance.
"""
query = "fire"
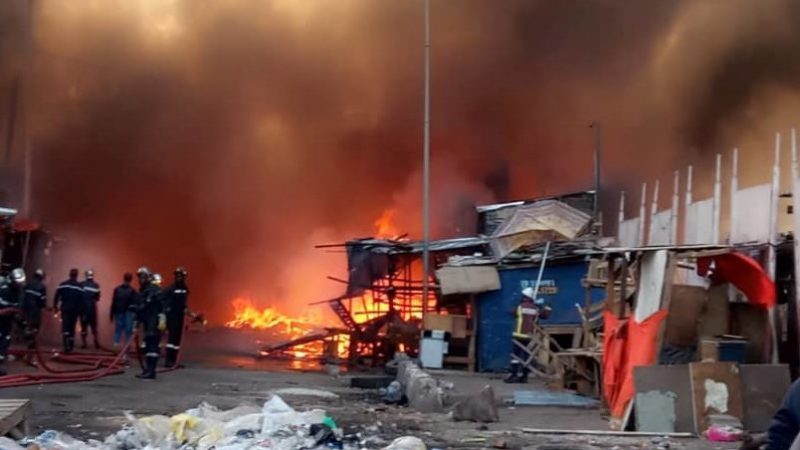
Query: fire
(385, 227)
(248, 316)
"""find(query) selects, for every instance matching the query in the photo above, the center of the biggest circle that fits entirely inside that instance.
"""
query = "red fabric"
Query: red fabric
(628, 345)
(743, 272)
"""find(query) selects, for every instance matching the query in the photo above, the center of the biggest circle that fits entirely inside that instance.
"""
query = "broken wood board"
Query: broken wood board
(669, 379)
(716, 389)
(763, 389)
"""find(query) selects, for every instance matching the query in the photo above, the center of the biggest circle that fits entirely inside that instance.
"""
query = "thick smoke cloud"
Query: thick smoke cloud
(230, 136)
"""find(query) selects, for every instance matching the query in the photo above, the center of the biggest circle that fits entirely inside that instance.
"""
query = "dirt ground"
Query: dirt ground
(95, 409)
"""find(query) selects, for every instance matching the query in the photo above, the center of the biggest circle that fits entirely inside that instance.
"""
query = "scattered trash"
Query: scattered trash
(718, 433)
(275, 426)
(406, 443)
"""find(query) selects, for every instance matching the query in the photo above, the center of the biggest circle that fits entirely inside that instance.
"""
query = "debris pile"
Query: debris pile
(275, 426)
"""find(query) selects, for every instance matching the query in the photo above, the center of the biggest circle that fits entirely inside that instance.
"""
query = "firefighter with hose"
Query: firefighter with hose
(175, 304)
(527, 314)
(149, 314)
(11, 293)
(68, 301)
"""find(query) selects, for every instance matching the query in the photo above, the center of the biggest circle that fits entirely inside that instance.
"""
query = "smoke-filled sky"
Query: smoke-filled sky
(231, 136)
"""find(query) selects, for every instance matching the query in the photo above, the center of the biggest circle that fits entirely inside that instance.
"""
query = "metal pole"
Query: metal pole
(598, 146)
(426, 160)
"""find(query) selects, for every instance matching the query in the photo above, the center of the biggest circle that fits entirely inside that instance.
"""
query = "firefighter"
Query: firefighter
(175, 305)
(120, 312)
(32, 304)
(11, 293)
(527, 313)
(149, 313)
(70, 297)
(91, 292)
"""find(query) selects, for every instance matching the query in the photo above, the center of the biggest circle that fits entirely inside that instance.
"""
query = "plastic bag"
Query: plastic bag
(406, 443)
(277, 415)
(9, 444)
(179, 423)
(248, 422)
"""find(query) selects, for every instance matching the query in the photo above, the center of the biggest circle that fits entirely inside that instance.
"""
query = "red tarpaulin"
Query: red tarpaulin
(743, 272)
(626, 344)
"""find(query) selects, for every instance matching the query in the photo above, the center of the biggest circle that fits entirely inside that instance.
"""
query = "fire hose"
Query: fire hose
(100, 365)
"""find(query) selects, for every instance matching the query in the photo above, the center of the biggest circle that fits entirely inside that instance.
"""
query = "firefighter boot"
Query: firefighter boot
(514, 374)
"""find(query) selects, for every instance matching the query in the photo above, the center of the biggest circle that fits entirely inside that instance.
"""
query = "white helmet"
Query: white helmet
(18, 275)
(528, 292)
(157, 279)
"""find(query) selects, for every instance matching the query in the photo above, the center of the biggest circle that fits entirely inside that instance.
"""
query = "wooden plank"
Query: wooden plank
(604, 432)
(726, 373)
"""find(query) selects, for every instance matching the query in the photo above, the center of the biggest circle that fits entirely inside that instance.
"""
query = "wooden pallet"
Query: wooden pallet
(14, 416)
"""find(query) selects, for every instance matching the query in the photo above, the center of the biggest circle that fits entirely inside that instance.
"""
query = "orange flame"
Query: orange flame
(385, 227)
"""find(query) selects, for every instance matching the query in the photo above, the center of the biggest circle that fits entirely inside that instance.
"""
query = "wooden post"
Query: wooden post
(642, 215)
(653, 211)
(734, 190)
(717, 200)
(773, 241)
(673, 222)
(688, 203)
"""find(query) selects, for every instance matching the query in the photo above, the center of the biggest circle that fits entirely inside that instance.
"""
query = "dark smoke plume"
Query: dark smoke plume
(231, 136)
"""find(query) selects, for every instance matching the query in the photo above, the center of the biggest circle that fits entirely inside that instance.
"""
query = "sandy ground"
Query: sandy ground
(226, 379)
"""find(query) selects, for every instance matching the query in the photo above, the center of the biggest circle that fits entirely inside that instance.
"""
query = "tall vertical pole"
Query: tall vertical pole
(734, 210)
(717, 202)
(772, 256)
(598, 147)
(426, 161)
(27, 163)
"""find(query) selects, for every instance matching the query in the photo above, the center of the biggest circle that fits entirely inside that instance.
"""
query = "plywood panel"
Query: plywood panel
(699, 224)
(651, 284)
(674, 379)
(629, 233)
(716, 389)
(661, 228)
(763, 389)
(751, 222)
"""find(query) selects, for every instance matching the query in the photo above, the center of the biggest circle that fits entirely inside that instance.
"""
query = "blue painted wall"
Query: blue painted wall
(561, 287)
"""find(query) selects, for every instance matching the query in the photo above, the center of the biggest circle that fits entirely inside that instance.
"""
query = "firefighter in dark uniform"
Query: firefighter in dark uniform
(69, 296)
(91, 292)
(32, 304)
(175, 304)
(149, 314)
(11, 293)
(527, 314)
